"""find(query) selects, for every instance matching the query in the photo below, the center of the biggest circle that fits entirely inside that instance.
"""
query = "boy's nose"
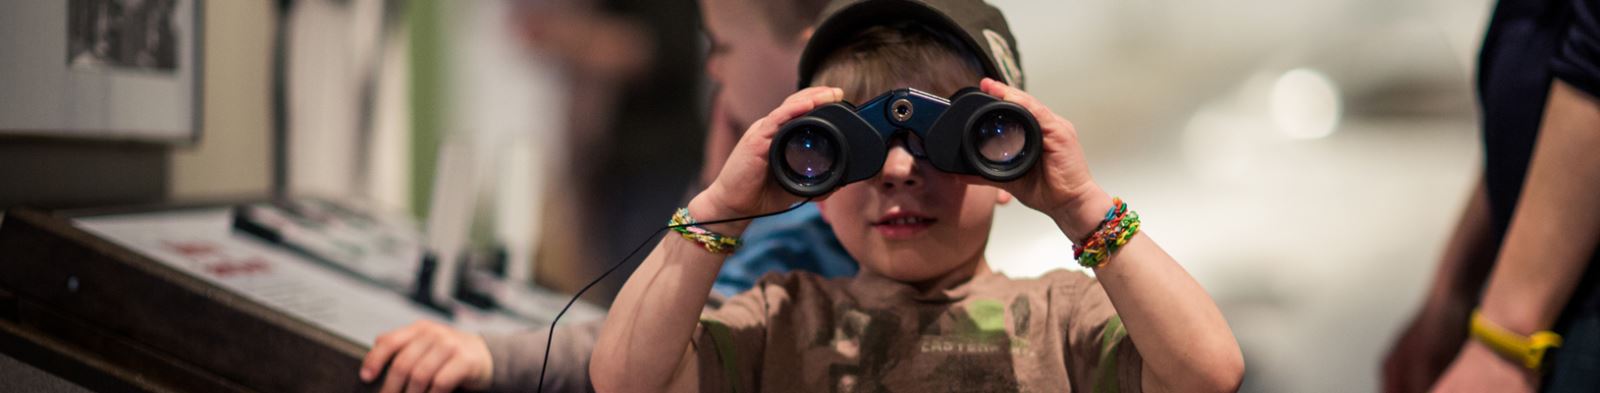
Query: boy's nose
(900, 169)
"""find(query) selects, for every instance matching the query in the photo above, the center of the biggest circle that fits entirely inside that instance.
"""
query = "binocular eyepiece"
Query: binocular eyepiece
(971, 133)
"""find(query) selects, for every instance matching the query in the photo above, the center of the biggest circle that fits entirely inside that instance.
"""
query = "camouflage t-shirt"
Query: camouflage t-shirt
(800, 332)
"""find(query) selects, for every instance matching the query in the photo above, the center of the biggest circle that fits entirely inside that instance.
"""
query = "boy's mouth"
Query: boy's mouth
(902, 224)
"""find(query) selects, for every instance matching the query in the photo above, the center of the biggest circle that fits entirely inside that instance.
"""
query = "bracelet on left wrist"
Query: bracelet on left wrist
(712, 241)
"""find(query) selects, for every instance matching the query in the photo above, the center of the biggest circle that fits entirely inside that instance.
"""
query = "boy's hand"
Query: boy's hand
(1060, 184)
(742, 188)
(429, 357)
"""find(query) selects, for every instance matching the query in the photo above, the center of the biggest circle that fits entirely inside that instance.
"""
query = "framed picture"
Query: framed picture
(101, 69)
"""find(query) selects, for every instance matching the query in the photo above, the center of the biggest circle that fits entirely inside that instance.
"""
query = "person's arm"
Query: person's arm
(518, 359)
(645, 343)
(1181, 335)
(1552, 236)
(1434, 336)
(1557, 221)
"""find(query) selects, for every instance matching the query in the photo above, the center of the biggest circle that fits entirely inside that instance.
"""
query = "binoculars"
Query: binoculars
(971, 133)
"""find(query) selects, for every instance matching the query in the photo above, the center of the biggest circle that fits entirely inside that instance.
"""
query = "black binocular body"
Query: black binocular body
(971, 133)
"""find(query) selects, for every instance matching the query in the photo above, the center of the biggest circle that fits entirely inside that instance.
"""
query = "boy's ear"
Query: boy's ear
(1002, 197)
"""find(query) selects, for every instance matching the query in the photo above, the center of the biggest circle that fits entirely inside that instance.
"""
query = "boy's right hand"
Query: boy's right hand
(429, 357)
(743, 188)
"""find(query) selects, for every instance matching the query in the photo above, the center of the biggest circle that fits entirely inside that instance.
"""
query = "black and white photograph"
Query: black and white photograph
(101, 69)
(123, 34)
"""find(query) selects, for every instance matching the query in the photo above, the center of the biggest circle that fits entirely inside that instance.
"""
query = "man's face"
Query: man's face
(753, 69)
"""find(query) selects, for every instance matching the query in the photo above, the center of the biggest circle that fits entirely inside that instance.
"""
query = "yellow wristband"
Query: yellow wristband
(1527, 350)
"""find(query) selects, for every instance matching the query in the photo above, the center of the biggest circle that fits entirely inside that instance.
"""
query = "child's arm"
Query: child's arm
(644, 346)
(1181, 335)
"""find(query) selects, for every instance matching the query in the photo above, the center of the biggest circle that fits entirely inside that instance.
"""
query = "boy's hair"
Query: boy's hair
(787, 18)
(886, 57)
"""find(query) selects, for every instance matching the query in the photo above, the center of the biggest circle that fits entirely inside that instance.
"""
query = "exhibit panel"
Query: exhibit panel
(182, 299)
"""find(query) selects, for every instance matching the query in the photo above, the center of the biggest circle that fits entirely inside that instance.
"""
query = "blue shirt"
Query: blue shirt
(797, 240)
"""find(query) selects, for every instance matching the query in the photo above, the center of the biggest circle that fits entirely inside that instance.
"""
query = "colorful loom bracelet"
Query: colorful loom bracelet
(712, 241)
(1114, 231)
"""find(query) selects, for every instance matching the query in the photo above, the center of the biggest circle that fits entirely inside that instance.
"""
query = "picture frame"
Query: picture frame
(120, 70)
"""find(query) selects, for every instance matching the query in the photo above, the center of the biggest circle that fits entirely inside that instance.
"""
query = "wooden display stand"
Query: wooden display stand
(112, 319)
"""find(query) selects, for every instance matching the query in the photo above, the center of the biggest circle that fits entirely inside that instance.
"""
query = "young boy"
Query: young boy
(925, 311)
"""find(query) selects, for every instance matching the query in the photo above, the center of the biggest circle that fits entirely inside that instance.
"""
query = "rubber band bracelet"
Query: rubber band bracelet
(1111, 234)
(713, 242)
(1527, 350)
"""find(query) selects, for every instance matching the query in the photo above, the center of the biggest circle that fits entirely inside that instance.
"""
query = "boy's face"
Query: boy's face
(754, 70)
(913, 223)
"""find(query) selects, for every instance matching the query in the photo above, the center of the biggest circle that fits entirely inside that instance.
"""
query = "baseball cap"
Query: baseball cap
(978, 25)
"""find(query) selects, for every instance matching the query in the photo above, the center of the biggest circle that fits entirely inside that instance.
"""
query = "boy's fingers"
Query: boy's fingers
(423, 374)
(809, 94)
(786, 112)
(802, 102)
(994, 88)
(1000, 90)
(798, 104)
(400, 369)
(819, 94)
(1047, 118)
(767, 126)
(1007, 93)
(385, 347)
(449, 377)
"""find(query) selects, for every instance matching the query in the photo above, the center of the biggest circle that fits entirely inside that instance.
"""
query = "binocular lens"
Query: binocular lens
(1000, 138)
(810, 155)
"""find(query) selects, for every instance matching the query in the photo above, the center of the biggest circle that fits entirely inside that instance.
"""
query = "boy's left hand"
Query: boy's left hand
(1059, 184)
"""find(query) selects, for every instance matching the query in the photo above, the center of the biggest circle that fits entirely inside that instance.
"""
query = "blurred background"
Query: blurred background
(1305, 160)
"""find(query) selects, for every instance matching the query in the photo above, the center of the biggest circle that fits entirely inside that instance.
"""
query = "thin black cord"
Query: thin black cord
(551, 337)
